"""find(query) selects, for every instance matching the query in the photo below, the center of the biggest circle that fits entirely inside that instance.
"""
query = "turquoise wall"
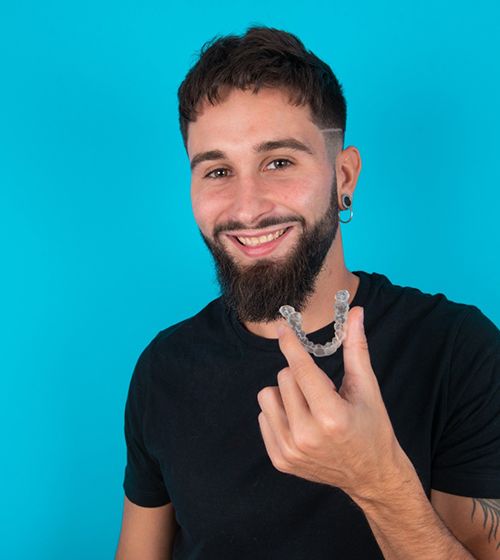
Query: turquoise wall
(100, 251)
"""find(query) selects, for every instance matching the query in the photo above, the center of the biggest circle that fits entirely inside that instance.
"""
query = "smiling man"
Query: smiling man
(240, 443)
(271, 176)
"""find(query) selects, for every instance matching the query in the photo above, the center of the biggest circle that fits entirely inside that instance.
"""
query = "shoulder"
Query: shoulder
(185, 333)
(428, 329)
(173, 346)
(408, 304)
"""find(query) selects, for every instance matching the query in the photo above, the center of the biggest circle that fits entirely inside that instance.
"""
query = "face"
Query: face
(261, 166)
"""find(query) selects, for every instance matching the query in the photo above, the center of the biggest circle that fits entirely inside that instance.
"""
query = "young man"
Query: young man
(243, 444)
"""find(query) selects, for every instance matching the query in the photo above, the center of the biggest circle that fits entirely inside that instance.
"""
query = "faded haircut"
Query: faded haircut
(262, 57)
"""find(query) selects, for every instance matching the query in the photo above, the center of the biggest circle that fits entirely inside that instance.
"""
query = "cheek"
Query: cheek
(205, 209)
(298, 196)
(315, 196)
(302, 197)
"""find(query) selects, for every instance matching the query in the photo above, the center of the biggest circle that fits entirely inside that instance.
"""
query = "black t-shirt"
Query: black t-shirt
(193, 437)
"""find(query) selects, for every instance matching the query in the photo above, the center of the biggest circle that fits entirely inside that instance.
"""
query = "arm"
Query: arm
(148, 524)
(474, 521)
(344, 438)
(147, 533)
(407, 526)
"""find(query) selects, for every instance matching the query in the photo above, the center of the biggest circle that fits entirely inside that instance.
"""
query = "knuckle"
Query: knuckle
(302, 441)
(261, 397)
(290, 451)
(305, 441)
(265, 394)
(329, 424)
(281, 464)
(283, 374)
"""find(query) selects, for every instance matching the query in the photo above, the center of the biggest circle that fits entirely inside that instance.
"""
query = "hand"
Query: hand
(342, 438)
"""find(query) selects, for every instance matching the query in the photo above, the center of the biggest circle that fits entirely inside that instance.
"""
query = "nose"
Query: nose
(250, 200)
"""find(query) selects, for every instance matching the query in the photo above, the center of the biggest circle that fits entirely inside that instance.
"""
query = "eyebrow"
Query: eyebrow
(290, 143)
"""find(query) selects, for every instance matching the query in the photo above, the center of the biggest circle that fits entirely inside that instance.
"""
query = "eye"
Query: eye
(218, 173)
(222, 172)
(279, 163)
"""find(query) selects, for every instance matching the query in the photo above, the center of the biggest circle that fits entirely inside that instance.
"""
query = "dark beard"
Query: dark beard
(257, 291)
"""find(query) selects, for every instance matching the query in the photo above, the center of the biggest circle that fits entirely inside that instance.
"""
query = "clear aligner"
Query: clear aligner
(294, 319)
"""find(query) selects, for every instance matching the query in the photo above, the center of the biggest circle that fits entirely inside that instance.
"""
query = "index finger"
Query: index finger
(317, 388)
(291, 347)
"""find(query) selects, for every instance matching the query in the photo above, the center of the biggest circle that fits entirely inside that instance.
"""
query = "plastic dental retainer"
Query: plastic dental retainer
(294, 319)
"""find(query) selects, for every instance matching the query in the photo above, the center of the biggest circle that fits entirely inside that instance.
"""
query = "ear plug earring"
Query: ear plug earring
(294, 319)
(346, 203)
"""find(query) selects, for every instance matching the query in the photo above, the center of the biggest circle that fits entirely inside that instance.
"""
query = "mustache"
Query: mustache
(263, 225)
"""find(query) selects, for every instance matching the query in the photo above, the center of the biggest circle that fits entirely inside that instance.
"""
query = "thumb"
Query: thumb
(357, 364)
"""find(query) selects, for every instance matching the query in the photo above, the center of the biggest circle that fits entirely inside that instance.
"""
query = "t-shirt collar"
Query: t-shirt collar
(321, 336)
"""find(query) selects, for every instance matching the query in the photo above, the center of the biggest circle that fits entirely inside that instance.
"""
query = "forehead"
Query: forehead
(245, 118)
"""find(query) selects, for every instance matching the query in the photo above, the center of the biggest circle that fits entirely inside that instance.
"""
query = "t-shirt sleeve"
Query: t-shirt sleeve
(467, 458)
(143, 482)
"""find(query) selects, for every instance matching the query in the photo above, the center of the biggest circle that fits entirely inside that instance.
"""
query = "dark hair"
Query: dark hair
(262, 57)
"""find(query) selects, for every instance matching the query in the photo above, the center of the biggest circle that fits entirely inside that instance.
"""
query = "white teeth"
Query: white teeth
(252, 241)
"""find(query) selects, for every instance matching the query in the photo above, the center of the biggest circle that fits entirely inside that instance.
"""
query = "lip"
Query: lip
(260, 250)
(257, 233)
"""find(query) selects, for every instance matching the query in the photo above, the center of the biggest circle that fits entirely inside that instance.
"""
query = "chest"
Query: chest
(205, 434)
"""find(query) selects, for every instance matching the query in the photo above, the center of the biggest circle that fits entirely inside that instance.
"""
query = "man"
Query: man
(241, 443)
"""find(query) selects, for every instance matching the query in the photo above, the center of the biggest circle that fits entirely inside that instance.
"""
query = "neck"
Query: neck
(319, 311)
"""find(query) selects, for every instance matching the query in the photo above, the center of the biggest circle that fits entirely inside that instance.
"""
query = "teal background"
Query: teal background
(99, 249)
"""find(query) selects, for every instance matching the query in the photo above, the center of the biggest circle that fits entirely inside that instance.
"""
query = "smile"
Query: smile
(259, 246)
(254, 241)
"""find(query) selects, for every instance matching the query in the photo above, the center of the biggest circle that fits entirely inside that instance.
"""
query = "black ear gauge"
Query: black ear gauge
(346, 201)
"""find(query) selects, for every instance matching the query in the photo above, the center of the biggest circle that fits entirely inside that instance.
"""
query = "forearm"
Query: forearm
(407, 527)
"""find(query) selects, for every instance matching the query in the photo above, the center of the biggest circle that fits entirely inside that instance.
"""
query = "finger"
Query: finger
(272, 406)
(317, 388)
(357, 364)
(296, 407)
(291, 347)
(269, 439)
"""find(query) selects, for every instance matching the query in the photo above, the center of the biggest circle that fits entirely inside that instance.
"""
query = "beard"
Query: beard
(256, 291)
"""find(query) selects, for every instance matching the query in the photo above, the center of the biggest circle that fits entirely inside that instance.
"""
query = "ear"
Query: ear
(347, 168)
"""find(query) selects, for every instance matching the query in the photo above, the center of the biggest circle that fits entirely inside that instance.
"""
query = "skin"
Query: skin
(342, 437)
(254, 192)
